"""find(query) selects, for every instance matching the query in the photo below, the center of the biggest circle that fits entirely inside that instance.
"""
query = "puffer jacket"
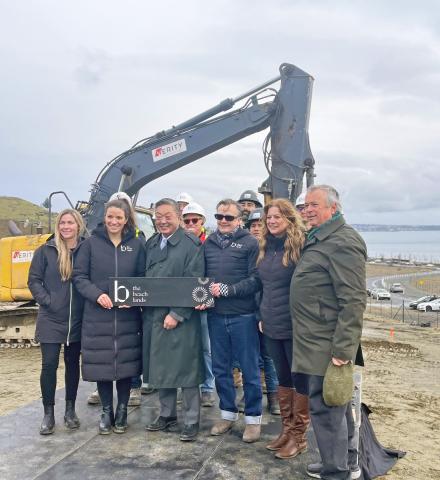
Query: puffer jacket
(111, 339)
(61, 306)
(275, 278)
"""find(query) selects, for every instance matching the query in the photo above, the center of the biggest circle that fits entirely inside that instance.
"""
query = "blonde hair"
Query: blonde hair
(295, 233)
(64, 255)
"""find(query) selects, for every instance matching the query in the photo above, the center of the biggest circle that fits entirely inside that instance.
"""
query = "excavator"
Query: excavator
(284, 111)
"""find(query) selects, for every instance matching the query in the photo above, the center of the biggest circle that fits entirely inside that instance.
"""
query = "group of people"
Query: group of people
(289, 286)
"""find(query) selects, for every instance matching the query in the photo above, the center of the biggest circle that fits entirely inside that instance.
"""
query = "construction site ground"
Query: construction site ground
(401, 385)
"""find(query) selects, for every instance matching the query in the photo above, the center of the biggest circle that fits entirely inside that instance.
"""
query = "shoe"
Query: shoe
(135, 397)
(146, 389)
(272, 403)
(71, 421)
(207, 399)
(120, 419)
(314, 470)
(48, 423)
(285, 404)
(107, 420)
(238, 378)
(252, 432)
(189, 432)
(93, 398)
(161, 423)
(241, 405)
(222, 427)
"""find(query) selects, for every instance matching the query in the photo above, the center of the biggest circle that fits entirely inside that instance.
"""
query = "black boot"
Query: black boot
(107, 420)
(48, 423)
(71, 421)
(120, 418)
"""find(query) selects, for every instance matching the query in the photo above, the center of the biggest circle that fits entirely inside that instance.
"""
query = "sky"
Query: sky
(83, 81)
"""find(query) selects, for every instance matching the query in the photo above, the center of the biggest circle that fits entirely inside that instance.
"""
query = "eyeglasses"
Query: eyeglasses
(300, 208)
(228, 218)
(187, 221)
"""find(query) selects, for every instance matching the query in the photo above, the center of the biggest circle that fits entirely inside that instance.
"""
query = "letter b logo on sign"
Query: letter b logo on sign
(121, 291)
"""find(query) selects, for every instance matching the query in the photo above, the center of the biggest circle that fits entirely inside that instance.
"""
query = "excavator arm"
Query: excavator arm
(287, 153)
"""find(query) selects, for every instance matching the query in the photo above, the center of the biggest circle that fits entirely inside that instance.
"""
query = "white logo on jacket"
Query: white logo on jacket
(126, 248)
(236, 245)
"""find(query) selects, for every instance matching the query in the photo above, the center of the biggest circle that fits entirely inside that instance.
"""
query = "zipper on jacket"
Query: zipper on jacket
(70, 312)
(115, 316)
(70, 306)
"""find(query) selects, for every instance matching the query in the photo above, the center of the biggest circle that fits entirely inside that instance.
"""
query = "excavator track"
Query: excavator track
(17, 325)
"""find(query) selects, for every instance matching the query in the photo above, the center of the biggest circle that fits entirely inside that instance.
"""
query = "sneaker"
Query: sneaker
(93, 398)
(252, 432)
(314, 470)
(135, 397)
(146, 389)
(207, 399)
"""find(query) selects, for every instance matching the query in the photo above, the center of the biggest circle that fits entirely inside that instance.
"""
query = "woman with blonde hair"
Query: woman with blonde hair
(59, 316)
(279, 250)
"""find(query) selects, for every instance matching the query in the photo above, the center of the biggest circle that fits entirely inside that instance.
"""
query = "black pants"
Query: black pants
(50, 355)
(105, 390)
(331, 427)
(281, 353)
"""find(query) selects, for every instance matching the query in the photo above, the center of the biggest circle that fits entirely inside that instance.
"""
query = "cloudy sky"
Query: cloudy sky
(82, 81)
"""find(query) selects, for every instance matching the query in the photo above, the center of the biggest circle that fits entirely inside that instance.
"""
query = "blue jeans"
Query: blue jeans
(208, 385)
(270, 373)
(236, 336)
(135, 382)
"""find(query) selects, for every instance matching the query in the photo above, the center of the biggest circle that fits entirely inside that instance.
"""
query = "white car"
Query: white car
(396, 288)
(433, 306)
(381, 294)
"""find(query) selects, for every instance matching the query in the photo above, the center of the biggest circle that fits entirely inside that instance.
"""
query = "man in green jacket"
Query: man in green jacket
(327, 301)
(172, 342)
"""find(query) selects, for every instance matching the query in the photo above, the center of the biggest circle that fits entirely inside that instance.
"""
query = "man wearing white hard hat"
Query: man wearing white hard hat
(299, 205)
(183, 199)
(194, 218)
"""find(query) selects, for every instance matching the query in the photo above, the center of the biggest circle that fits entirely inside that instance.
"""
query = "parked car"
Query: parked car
(425, 299)
(381, 294)
(433, 306)
(396, 288)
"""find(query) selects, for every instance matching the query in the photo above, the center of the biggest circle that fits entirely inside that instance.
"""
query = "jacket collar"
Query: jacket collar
(326, 229)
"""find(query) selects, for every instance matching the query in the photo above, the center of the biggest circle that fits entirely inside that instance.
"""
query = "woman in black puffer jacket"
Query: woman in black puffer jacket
(111, 336)
(59, 315)
(280, 247)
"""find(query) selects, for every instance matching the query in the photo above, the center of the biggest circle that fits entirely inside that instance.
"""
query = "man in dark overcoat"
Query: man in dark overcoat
(327, 300)
(172, 341)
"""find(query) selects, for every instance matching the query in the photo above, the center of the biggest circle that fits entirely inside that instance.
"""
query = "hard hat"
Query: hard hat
(256, 214)
(184, 197)
(250, 196)
(121, 196)
(194, 207)
(301, 200)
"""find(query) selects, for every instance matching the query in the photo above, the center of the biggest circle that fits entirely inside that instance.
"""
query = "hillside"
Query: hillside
(21, 212)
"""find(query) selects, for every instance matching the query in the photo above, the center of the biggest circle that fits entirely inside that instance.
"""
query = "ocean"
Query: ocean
(419, 246)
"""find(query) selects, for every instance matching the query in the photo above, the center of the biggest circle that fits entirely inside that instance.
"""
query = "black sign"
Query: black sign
(161, 292)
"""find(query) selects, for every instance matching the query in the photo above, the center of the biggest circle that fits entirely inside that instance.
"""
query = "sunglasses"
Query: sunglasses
(228, 218)
(187, 221)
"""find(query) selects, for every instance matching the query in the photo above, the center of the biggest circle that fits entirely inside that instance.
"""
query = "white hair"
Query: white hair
(332, 195)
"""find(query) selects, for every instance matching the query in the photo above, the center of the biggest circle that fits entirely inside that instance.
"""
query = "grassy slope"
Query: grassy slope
(17, 209)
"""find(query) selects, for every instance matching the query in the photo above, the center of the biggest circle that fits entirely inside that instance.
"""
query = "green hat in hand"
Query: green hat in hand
(338, 384)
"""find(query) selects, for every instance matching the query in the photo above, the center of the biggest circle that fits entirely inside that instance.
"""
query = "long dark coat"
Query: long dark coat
(111, 339)
(328, 298)
(173, 358)
(61, 306)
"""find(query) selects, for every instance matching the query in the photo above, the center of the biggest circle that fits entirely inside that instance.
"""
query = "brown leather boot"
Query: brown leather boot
(285, 398)
(301, 420)
(298, 428)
